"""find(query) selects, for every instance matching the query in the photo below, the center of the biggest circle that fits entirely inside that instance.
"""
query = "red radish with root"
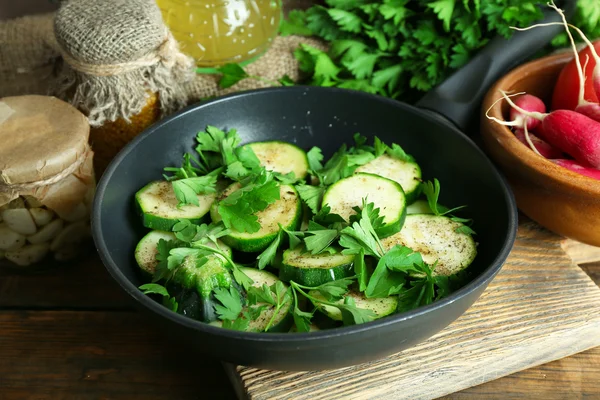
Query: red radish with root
(589, 109)
(538, 145)
(578, 168)
(569, 131)
(523, 123)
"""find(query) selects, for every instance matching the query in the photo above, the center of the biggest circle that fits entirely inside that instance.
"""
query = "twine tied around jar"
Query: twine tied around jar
(116, 54)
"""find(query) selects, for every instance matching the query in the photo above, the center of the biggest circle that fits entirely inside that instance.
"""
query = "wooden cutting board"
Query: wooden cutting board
(541, 307)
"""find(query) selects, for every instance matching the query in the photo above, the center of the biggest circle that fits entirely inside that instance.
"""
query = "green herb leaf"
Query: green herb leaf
(150, 288)
(164, 248)
(230, 75)
(361, 235)
(360, 269)
(335, 290)
(262, 294)
(237, 210)
(294, 24)
(311, 196)
(346, 20)
(398, 153)
(231, 303)
(353, 315)
(315, 156)
(404, 259)
(268, 255)
(302, 320)
(384, 282)
(319, 240)
(187, 190)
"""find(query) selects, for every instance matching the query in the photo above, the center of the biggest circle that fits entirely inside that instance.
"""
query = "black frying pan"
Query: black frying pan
(326, 117)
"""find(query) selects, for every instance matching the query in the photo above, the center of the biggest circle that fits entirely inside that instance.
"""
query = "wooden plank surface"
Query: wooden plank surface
(81, 355)
(541, 307)
(581, 253)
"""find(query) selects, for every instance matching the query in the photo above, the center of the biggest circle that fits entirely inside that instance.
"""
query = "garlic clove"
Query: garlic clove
(47, 233)
(27, 255)
(72, 234)
(32, 202)
(41, 216)
(9, 239)
(19, 220)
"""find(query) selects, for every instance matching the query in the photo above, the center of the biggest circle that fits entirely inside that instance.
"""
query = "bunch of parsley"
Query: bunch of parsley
(402, 48)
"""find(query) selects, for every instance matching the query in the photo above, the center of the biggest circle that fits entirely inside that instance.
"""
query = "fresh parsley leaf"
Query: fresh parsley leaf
(315, 156)
(242, 278)
(268, 255)
(230, 75)
(187, 190)
(164, 248)
(360, 269)
(294, 24)
(261, 295)
(150, 288)
(287, 179)
(326, 218)
(465, 229)
(286, 81)
(372, 214)
(347, 21)
(302, 320)
(404, 259)
(154, 288)
(335, 290)
(294, 238)
(311, 196)
(241, 323)
(237, 210)
(353, 315)
(317, 241)
(379, 147)
(231, 303)
(361, 235)
(384, 282)
(398, 153)
(185, 231)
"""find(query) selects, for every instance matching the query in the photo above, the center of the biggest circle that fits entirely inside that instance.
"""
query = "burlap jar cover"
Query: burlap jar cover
(47, 179)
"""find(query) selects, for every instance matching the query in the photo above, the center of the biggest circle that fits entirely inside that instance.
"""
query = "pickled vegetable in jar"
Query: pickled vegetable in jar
(47, 182)
(217, 32)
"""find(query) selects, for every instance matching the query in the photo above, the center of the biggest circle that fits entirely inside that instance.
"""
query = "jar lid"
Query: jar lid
(40, 136)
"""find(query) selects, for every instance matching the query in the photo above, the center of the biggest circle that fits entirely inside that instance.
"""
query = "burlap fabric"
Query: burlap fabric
(29, 54)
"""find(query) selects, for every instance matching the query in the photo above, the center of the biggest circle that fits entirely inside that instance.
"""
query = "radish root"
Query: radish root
(501, 122)
(532, 114)
(528, 139)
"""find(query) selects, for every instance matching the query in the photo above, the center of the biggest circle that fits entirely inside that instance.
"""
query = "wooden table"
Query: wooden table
(72, 334)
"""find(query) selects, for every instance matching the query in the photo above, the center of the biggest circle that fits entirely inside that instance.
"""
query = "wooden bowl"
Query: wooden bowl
(560, 200)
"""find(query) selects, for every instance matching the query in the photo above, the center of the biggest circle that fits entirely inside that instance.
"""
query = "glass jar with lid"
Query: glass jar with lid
(217, 32)
(47, 182)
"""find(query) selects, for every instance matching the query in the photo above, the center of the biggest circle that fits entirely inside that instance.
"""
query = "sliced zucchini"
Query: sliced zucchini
(146, 250)
(386, 194)
(314, 270)
(436, 238)
(380, 306)
(158, 206)
(419, 207)
(204, 278)
(286, 211)
(406, 173)
(281, 157)
(283, 319)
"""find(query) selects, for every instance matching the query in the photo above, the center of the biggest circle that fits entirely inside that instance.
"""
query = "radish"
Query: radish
(538, 145)
(589, 109)
(569, 131)
(527, 102)
(576, 167)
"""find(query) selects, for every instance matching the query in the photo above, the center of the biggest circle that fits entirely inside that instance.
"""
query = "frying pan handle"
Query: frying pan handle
(459, 96)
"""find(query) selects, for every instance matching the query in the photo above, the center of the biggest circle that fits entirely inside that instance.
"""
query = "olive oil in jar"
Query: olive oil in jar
(217, 32)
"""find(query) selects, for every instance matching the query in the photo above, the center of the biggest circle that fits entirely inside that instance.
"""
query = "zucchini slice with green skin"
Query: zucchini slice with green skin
(281, 157)
(146, 250)
(419, 207)
(382, 307)
(406, 173)
(159, 209)
(283, 319)
(313, 270)
(435, 237)
(286, 211)
(386, 194)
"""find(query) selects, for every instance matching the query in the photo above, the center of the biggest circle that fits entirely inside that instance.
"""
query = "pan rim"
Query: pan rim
(482, 280)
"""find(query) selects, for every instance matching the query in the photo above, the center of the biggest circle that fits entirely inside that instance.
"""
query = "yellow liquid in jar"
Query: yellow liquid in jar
(217, 32)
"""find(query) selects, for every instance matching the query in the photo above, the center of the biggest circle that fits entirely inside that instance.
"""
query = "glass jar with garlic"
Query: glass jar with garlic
(47, 182)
